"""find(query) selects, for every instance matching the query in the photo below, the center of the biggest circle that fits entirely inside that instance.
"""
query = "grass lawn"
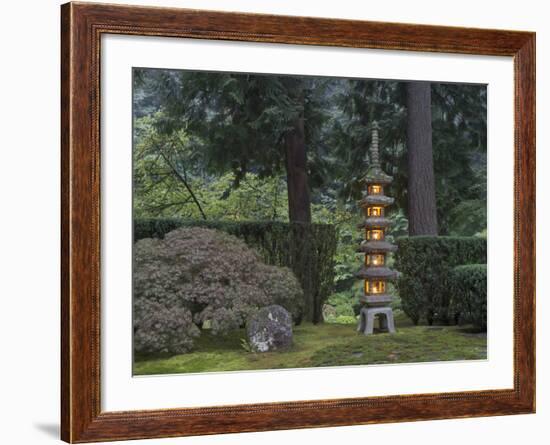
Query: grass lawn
(323, 345)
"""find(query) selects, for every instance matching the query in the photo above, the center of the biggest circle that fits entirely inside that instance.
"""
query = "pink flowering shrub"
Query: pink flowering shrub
(195, 275)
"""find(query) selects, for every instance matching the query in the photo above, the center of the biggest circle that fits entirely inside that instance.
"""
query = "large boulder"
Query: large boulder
(270, 329)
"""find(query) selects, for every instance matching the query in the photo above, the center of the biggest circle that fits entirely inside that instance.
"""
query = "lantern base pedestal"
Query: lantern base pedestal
(385, 319)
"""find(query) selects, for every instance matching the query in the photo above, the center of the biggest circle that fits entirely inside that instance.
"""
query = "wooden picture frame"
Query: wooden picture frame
(82, 26)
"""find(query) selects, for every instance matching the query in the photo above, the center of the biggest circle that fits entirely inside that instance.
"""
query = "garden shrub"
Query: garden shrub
(158, 328)
(425, 263)
(339, 308)
(307, 249)
(194, 275)
(468, 285)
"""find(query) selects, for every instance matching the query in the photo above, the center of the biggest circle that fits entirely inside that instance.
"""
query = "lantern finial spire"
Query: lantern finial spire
(374, 154)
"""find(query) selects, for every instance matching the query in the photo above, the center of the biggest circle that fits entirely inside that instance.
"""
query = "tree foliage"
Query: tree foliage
(240, 123)
(232, 125)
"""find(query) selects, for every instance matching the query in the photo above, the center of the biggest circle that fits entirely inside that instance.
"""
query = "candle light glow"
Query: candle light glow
(375, 234)
(375, 211)
(375, 287)
(374, 260)
(375, 190)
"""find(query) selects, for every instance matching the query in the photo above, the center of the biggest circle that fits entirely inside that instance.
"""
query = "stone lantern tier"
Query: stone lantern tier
(373, 272)
(375, 175)
(376, 247)
(375, 200)
(374, 222)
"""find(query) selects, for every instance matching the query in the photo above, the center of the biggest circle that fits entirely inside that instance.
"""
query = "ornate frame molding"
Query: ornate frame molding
(82, 25)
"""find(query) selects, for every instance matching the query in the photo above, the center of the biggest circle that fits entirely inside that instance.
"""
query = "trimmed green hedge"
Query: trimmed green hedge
(468, 284)
(425, 263)
(307, 249)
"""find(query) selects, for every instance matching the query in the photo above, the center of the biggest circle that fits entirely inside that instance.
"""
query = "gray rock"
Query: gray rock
(270, 329)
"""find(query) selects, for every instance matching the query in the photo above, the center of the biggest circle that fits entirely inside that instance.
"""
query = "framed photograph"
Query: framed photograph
(274, 222)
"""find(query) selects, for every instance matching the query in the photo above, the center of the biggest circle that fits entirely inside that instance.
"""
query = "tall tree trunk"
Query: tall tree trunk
(299, 210)
(299, 202)
(421, 186)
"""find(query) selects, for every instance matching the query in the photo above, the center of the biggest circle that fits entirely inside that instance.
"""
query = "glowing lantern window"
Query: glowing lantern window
(375, 190)
(375, 211)
(375, 287)
(375, 234)
(375, 260)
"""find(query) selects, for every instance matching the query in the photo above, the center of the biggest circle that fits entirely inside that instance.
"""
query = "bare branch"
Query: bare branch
(182, 179)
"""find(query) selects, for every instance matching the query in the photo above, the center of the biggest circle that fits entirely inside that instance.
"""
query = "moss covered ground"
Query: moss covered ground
(323, 345)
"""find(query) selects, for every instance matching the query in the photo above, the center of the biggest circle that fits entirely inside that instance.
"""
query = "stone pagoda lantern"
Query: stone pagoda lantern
(376, 299)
